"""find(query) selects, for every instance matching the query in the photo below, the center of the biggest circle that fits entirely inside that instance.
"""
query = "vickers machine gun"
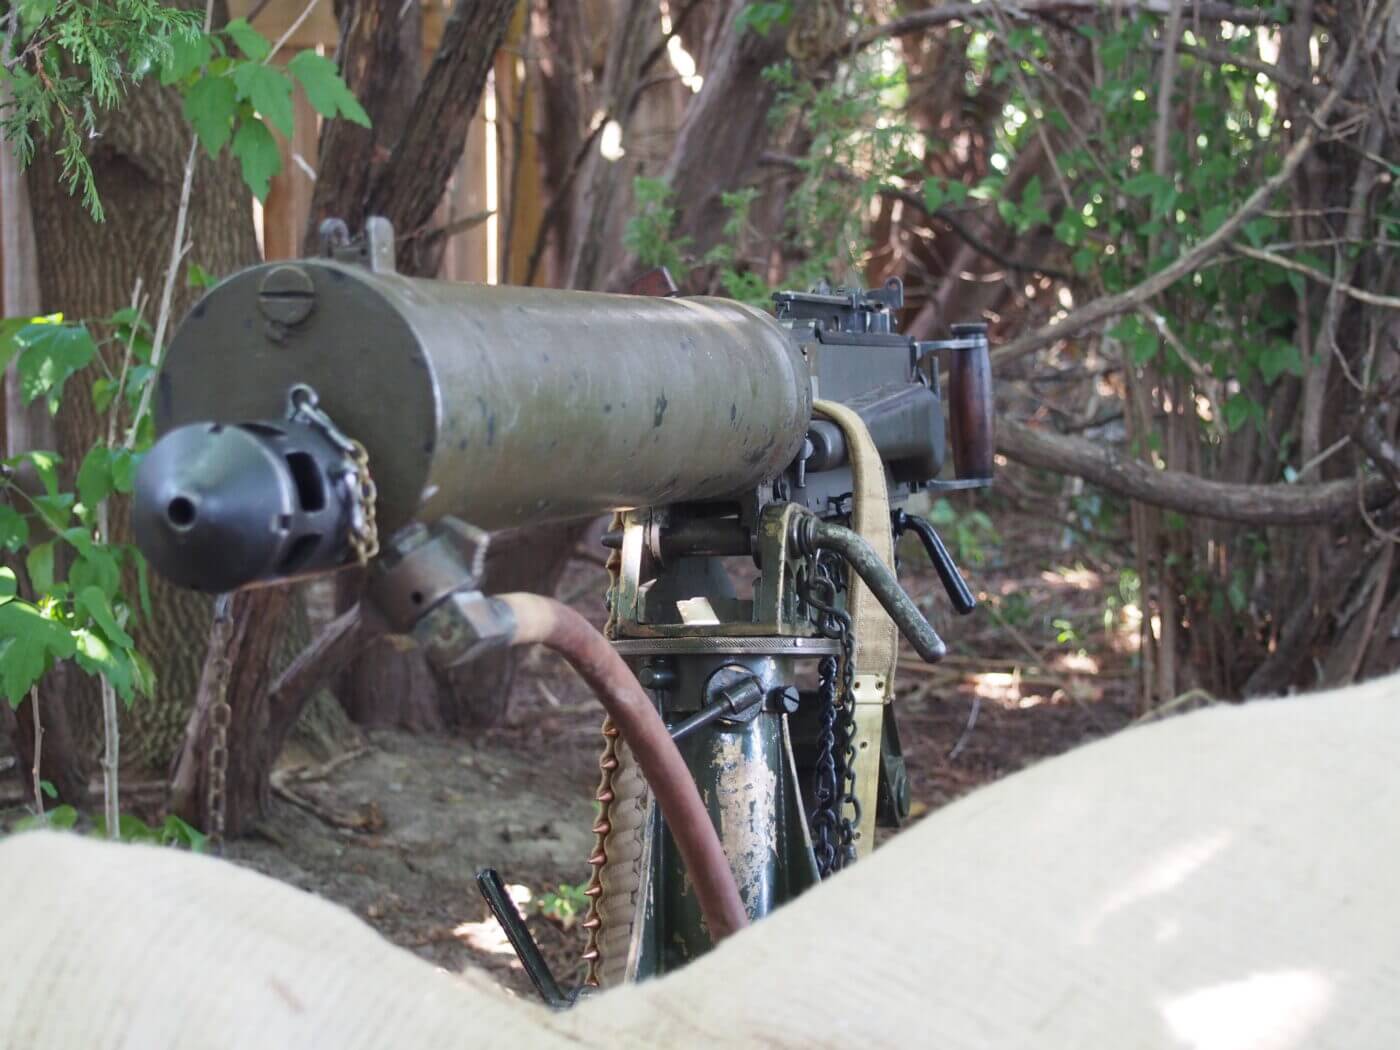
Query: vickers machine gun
(308, 409)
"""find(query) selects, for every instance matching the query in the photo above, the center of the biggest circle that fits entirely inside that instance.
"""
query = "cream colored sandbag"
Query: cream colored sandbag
(1221, 881)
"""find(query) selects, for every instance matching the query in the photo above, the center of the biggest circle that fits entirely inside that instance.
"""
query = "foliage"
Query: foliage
(68, 63)
(231, 100)
(648, 236)
(970, 533)
(858, 144)
(762, 18)
(75, 59)
(76, 605)
(172, 831)
(737, 280)
(564, 905)
(648, 232)
(1224, 342)
(1027, 167)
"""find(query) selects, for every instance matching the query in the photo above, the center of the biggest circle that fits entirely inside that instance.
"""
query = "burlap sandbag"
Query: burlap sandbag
(1222, 881)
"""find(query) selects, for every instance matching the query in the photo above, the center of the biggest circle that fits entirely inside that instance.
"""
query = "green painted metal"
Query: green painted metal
(747, 776)
(501, 405)
(748, 781)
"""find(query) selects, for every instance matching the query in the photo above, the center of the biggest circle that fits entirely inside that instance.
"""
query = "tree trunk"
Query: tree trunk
(28, 427)
(87, 271)
(413, 151)
(725, 128)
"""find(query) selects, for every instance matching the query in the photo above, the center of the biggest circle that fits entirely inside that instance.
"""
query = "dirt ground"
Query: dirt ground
(396, 830)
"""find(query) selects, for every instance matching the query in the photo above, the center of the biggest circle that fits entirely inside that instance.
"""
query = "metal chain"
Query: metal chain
(850, 802)
(364, 539)
(826, 823)
(836, 811)
(303, 406)
(220, 717)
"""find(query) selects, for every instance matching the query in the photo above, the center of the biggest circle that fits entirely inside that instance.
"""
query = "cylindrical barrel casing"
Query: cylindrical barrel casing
(501, 405)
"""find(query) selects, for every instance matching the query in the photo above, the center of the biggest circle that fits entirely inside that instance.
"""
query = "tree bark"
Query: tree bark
(381, 58)
(63, 763)
(430, 146)
(722, 137)
(86, 271)
(416, 149)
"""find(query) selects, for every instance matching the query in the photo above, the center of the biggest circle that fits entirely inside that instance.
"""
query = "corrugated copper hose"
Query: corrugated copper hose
(556, 626)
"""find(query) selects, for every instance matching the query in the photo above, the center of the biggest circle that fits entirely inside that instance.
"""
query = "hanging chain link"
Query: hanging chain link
(836, 811)
(364, 540)
(220, 717)
(303, 406)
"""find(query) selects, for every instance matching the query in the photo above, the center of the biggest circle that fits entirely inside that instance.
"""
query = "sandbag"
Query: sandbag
(1219, 881)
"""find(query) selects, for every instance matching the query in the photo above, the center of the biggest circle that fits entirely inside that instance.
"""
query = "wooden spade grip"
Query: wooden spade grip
(971, 403)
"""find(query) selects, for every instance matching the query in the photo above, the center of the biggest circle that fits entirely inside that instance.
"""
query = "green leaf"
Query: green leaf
(22, 663)
(142, 673)
(62, 817)
(269, 91)
(209, 107)
(1259, 230)
(325, 90)
(126, 317)
(199, 277)
(188, 52)
(10, 328)
(1070, 229)
(1237, 411)
(104, 391)
(96, 657)
(1146, 184)
(1031, 195)
(14, 529)
(175, 831)
(51, 354)
(95, 476)
(1238, 599)
(124, 470)
(29, 641)
(9, 585)
(46, 786)
(55, 509)
(249, 40)
(96, 565)
(1212, 219)
(39, 564)
(256, 150)
(1278, 358)
(1141, 343)
(95, 602)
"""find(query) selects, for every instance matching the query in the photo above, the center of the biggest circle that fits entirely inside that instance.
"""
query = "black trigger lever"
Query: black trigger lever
(958, 591)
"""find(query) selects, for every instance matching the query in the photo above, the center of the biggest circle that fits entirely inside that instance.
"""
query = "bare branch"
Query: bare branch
(919, 21)
(1276, 504)
(1381, 449)
(913, 200)
(1389, 302)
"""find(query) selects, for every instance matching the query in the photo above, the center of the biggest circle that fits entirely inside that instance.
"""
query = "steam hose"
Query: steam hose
(557, 627)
